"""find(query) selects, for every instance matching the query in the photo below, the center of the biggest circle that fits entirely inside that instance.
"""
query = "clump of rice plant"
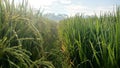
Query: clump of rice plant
(13, 56)
(28, 40)
(93, 41)
(21, 44)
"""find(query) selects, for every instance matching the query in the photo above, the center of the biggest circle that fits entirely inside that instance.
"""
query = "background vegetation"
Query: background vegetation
(28, 40)
(92, 42)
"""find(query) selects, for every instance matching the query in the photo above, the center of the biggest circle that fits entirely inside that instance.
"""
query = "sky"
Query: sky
(72, 7)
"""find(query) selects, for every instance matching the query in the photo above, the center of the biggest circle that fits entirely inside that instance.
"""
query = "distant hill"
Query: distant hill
(55, 17)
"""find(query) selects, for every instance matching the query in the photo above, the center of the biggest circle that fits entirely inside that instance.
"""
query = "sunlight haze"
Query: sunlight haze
(71, 7)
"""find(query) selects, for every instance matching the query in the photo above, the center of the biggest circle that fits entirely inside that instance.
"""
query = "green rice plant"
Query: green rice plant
(21, 43)
(92, 41)
(29, 40)
(17, 19)
(41, 63)
(13, 57)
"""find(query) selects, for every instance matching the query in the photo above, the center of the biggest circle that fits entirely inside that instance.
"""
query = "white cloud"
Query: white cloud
(103, 10)
(86, 10)
(66, 6)
(69, 8)
(41, 3)
(73, 9)
(65, 1)
(44, 5)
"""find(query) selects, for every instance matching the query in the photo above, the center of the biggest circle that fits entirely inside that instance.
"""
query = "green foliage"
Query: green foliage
(93, 41)
(21, 43)
(14, 57)
(28, 40)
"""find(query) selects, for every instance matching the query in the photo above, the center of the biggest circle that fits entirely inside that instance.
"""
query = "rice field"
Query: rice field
(28, 40)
